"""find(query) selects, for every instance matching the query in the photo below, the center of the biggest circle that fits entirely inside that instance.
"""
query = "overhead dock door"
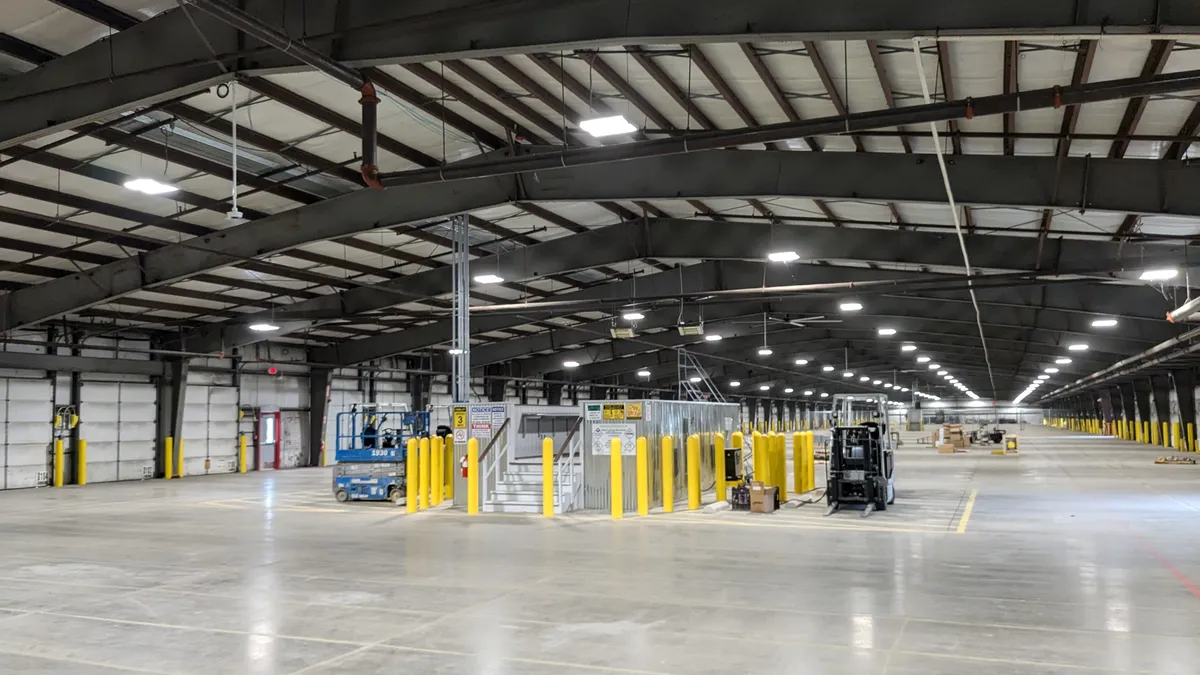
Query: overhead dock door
(27, 413)
(117, 420)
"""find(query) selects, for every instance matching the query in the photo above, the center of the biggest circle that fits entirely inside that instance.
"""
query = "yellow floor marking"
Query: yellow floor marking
(966, 516)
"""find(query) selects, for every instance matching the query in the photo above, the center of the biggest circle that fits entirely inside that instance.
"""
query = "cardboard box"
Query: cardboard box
(762, 498)
(945, 449)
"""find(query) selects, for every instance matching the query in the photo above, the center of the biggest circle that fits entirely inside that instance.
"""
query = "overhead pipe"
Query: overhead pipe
(1053, 97)
(350, 76)
(1126, 366)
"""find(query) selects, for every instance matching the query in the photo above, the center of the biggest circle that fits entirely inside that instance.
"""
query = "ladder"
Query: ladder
(688, 367)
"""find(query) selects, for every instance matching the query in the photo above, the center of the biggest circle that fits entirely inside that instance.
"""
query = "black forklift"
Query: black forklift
(861, 462)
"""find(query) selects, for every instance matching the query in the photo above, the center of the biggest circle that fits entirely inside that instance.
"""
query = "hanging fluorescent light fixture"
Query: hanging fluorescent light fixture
(149, 186)
(886, 332)
(263, 327)
(633, 316)
(613, 125)
(1159, 275)
(488, 279)
(783, 256)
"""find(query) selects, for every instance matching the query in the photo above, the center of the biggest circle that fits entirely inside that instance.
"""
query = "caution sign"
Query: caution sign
(614, 411)
(459, 422)
(633, 411)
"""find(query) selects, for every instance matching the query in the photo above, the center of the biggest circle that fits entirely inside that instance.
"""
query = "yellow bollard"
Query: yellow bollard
(423, 475)
(81, 466)
(1137, 431)
(756, 462)
(412, 475)
(179, 460)
(1165, 435)
(473, 476)
(242, 453)
(719, 467)
(810, 476)
(780, 473)
(448, 463)
(1175, 435)
(668, 474)
(1153, 433)
(643, 476)
(435, 470)
(693, 472)
(616, 494)
(548, 477)
(58, 462)
(798, 463)
(1190, 441)
(168, 458)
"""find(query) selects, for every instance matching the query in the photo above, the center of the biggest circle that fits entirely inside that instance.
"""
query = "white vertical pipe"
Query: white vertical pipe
(962, 244)
(233, 211)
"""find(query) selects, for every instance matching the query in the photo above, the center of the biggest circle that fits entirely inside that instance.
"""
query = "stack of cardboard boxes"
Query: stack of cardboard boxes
(949, 438)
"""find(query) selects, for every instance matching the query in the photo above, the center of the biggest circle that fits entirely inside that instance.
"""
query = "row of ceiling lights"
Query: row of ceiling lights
(1148, 275)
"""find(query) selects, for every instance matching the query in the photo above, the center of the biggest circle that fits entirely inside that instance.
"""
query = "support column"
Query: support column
(1129, 406)
(172, 392)
(318, 406)
(1161, 386)
(1141, 391)
(779, 414)
(418, 385)
(493, 385)
(1185, 391)
(460, 348)
(554, 392)
(1118, 409)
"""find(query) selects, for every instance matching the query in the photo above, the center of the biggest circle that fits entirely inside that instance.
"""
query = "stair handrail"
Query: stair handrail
(490, 471)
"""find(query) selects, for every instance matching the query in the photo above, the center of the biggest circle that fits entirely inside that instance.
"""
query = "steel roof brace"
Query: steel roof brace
(338, 71)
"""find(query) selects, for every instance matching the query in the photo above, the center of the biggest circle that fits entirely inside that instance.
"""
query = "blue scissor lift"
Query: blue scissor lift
(371, 441)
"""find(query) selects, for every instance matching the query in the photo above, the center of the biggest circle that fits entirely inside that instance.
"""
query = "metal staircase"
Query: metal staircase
(688, 368)
(515, 485)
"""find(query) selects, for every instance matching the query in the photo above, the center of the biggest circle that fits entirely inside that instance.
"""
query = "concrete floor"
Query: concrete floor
(1079, 556)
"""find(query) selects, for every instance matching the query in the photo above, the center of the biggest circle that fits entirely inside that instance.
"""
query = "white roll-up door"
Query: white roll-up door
(210, 430)
(118, 420)
(27, 413)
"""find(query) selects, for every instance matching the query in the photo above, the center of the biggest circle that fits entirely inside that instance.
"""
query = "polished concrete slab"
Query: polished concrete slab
(1078, 556)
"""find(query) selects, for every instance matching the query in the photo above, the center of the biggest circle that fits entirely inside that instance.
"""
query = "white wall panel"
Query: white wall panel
(274, 392)
(27, 412)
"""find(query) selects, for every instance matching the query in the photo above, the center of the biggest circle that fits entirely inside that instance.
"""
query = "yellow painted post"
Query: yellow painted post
(780, 474)
(693, 472)
(435, 470)
(242, 453)
(643, 476)
(668, 474)
(616, 494)
(1175, 435)
(179, 459)
(81, 467)
(168, 458)
(1152, 436)
(412, 475)
(1137, 431)
(472, 476)
(423, 475)
(548, 477)
(449, 465)
(58, 462)
(810, 476)
(756, 455)
(1190, 442)
(798, 463)
(722, 491)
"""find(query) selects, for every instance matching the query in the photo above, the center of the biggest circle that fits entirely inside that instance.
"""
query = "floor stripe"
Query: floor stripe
(966, 516)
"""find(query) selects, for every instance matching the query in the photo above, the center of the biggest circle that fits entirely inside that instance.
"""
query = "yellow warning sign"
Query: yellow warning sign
(460, 417)
(633, 411)
(614, 411)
